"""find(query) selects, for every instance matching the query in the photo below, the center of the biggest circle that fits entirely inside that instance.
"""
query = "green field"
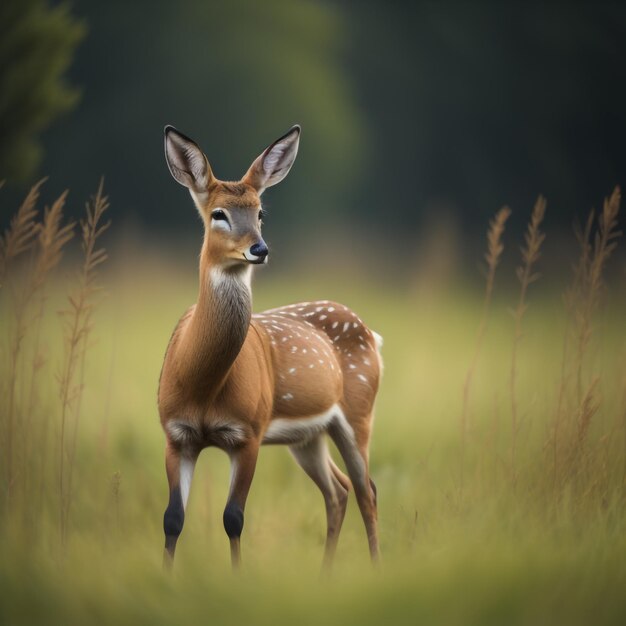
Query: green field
(483, 540)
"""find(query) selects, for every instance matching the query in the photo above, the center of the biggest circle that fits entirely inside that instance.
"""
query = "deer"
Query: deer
(236, 380)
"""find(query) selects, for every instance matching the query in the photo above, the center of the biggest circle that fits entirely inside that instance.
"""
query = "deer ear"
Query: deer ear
(186, 162)
(275, 162)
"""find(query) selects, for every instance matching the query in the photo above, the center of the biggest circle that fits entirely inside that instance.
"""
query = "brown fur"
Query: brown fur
(228, 374)
(232, 195)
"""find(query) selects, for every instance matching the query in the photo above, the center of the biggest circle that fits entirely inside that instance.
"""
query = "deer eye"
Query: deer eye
(218, 215)
(262, 214)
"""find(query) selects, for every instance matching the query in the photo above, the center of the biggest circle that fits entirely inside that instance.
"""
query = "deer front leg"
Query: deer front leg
(243, 464)
(179, 465)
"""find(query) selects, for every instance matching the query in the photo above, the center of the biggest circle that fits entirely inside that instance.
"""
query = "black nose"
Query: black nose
(259, 249)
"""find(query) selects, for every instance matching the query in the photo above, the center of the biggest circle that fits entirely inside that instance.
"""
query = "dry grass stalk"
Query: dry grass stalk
(584, 297)
(51, 237)
(495, 248)
(78, 326)
(20, 235)
(576, 458)
(588, 408)
(531, 251)
(18, 238)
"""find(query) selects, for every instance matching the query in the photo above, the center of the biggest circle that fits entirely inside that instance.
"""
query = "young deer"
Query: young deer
(236, 380)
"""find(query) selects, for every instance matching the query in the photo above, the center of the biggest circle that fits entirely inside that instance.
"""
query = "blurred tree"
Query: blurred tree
(234, 76)
(37, 42)
(410, 111)
(474, 105)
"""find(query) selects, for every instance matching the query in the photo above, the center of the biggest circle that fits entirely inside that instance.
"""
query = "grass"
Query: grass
(531, 251)
(494, 539)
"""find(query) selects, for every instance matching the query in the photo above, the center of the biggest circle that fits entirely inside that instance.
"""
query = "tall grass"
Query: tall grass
(78, 326)
(531, 251)
(584, 296)
(25, 439)
(578, 400)
(53, 236)
(21, 232)
(18, 239)
(540, 535)
(495, 247)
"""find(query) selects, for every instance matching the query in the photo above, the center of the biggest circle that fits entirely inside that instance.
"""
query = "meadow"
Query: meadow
(499, 446)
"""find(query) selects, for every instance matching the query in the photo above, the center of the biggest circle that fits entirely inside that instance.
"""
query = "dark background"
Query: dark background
(411, 112)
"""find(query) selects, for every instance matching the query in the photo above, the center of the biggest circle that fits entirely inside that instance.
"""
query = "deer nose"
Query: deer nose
(259, 249)
(258, 252)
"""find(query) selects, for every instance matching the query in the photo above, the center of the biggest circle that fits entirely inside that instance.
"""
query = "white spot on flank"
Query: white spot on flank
(287, 396)
(346, 326)
(311, 366)
(292, 370)
(354, 325)
(362, 378)
(331, 309)
(352, 366)
(322, 318)
(303, 350)
(335, 324)
(294, 349)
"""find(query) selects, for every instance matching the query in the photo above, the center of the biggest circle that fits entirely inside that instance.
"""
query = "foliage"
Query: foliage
(234, 76)
(408, 109)
(37, 43)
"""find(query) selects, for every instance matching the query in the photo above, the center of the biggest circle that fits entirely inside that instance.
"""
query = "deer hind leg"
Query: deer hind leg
(179, 465)
(355, 456)
(314, 459)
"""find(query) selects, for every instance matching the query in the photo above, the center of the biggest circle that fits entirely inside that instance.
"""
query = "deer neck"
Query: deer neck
(218, 326)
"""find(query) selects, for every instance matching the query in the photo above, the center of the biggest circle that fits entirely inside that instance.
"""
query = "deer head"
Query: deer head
(231, 211)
